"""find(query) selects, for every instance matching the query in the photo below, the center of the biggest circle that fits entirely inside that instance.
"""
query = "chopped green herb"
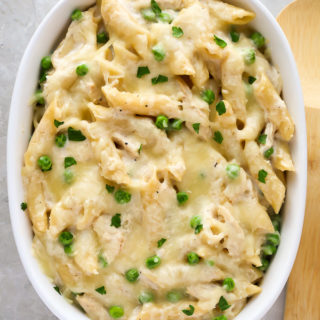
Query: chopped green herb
(57, 289)
(251, 79)
(155, 7)
(190, 311)
(39, 99)
(102, 37)
(43, 76)
(262, 139)
(76, 15)
(23, 206)
(161, 242)
(162, 122)
(68, 249)
(57, 123)
(153, 262)
(75, 135)
(223, 304)
(132, 275)
(158, 52)
(258, 39)
(65, 238)
(116, 312)
(262, 174)
(68, 176)
(217, 137)
(268, 153)
(149, 15)
(233, 170)
(198, 229)
(176, 124)
(159, 79)
(60, 140)
(193, 258)
(177, 32)
(142, 71)
(45, 163)
(195, 221)
(46, 63)
(234, 35)
(116, 221)
(174, 296)
(221, 107)
(228, 284)
(222, 317)
(182, 197)
(122, 196)
(250, 57)
(82, 70)
(165, 17)
(109, 188)
(196, 127)
(102, 260)
(145, 297)
(140, 149)
(221, 43)
(208, 96)
(101, 290)
(69, 161)
(276, 221)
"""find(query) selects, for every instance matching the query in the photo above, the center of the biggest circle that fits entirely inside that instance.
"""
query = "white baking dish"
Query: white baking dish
(43, 41)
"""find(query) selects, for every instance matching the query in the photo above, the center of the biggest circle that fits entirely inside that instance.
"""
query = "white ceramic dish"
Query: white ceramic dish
(44, 41)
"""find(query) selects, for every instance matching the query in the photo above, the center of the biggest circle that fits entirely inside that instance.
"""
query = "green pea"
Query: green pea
(177, 124)
(165, 17)
(233, 170)
(265, 264)
(153, 262)
(258, 39)
(122, 196)
(132, 275)
(182, 197)
(102, 37)
(193, 258)
(45, 163)
(60, 140)
(222, 317)
(228, 284)
(65, 238)
(116, 312)
(39, 99)
(149, 15)
(68, 249)
(195, 221)
(273, 238)
(82, 70)
(23, 206)
(174, 296)
(162, 122)
(76, 15)
(68, 176)
(269, 249)
(145, 297)
(250, 57)
(46, 63)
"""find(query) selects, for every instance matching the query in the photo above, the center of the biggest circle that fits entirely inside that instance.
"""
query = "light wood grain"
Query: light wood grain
(301, 24)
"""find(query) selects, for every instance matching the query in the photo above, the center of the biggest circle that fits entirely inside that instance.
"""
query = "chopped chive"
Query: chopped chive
(221, 107)
(109, 188)
(196, 127)
(159, 79)
(258, 39)
(75, 135)
(39, 99)
(149, 15)
(155, 7)
(165, 17)
(116, 221)
(223, 304)
(262, 174)
(228, 284)
(268, 153)
(182, 197)
(217, 137)
(208, 96)
(140, 149)
(23, 206)
(101, 290)
(176, 124)
(221, 43)
(57, 289)
(68, 176)
(190, 311)
(142, 71)
(177, 32)
(262, 139)
(264, 264)
(102, 37)
(57, 123)
(68, 250)
(251, 79)
(76, 15)
(102, 260)
(234, 35)
(145, 297)
(158, 52)
(69, 161)
(250, 57)
(161, 242)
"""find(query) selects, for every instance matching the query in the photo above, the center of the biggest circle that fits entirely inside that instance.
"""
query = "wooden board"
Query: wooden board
(301, 24)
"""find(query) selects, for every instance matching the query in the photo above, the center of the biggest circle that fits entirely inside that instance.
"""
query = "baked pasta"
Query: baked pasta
(156, 169)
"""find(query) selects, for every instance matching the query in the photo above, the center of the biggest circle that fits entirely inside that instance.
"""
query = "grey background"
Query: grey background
(18, 21)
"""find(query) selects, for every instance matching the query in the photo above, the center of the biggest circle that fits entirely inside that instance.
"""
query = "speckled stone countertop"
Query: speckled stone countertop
(18, 21)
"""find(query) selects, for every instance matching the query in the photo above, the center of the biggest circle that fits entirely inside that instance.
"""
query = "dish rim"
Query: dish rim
(37, 47)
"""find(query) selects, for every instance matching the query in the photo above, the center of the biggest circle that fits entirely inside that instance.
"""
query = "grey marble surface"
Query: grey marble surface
(18, 20)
